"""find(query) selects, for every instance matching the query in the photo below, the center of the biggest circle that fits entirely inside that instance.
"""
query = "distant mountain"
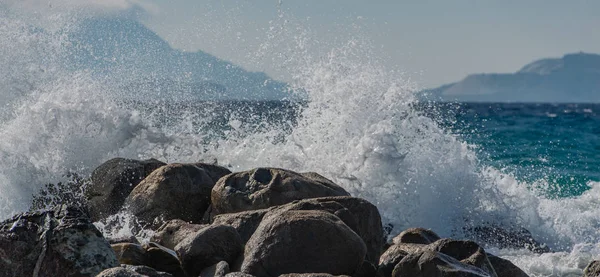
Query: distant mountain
(144, 63)
(574, 78)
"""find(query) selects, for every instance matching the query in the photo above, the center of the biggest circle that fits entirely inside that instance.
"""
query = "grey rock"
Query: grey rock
(174, 231)
(416, 235)
(217, 270)
(112, 182)
(303, 242)
(262, 188)
(174, 191)
(132, 271)
(209, 246)
(429, 263)
(57, 242)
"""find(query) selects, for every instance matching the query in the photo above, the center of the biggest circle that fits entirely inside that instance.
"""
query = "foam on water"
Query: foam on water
(359, 128)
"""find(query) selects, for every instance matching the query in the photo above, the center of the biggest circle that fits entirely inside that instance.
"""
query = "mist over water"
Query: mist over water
(357, 127)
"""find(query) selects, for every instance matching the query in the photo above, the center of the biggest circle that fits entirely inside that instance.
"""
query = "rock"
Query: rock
(429, 263)
(245, 223)
(310, 275)
(358, 214)
(262, 188)
(592, 269)
(174, 191)
(390, 258)
(215, 172)
(505, 268)
(163, 259)
(112, 182)
(209, 246)
(174, 231)
(367, 269)
(416, 235)
(303, 242)
(465, 251)
(132, 271)
(506, 238)
(217, 270)
(238, 274)
(130, 253)
(57, 242)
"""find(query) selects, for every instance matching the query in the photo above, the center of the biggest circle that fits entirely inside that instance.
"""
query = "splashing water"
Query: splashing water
(358, 128)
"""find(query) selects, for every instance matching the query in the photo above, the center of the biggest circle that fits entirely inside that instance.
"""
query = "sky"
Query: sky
(433, 42)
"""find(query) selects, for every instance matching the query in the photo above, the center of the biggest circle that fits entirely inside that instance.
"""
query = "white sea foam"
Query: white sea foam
(359, 129)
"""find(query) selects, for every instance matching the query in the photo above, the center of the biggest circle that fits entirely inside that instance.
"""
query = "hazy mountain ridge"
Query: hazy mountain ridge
(129, 51)
(572, 78)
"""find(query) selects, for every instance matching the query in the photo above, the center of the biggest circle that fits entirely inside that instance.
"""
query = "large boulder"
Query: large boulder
(112, 182)
(358, 214)
(152, 255)
(245, 223)
(132, 271)
(262, 188)
(416, 235)
(209, 246)
(214, 171)
(429, 263)
(174, 231)
(174, 191)
(303, 242)
(447, 253)
(57, 242)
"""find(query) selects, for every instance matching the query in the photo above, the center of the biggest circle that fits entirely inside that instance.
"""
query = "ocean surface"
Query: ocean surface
(432, 165)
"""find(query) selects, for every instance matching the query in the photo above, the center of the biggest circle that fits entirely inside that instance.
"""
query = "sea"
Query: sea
(442, 166)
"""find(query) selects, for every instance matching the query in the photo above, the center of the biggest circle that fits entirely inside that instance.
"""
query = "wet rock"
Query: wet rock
(174, 231)
(112, 182)
(130, 253)
(465, 251)
(217, 270)
(592, 269)
(133, 271)
(429, 263)
(505, 268)
(57, 242)
(311, 275)
(209, 246)
(238, 274)
(174, 191)
(262, 188)
(506, 238)
(367, 269)
(303, 242)
(358, 214)
(163, 259)
(416, 235)
(245, 223)
(390, 258)
(214, 171)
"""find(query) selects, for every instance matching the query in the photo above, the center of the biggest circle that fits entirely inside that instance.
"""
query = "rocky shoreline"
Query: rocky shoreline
(265, 222)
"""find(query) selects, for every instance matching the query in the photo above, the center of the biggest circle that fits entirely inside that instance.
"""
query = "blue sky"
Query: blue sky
(434, 42)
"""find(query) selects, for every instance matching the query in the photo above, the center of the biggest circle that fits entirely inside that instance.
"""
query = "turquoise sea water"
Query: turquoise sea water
(559, 143)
